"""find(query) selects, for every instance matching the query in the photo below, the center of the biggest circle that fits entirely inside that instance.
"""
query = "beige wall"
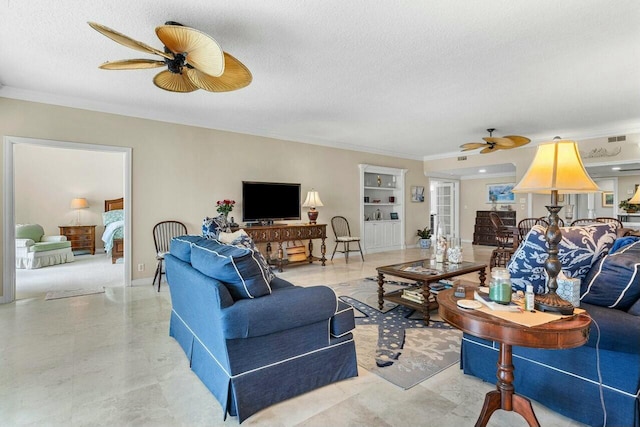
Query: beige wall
(627, 186)
(180, 171)
(46, 179)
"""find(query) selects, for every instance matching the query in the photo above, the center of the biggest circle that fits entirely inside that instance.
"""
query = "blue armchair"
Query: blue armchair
(252, 338)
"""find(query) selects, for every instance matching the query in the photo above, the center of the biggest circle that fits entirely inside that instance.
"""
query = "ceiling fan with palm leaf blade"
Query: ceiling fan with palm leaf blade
(494, 143)
(194, 60)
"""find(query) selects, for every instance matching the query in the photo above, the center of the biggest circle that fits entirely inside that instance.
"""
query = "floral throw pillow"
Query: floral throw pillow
(211, 227)
(246, 241)
(579, 249)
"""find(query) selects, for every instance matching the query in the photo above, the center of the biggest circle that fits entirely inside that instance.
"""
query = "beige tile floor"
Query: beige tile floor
(107, 360)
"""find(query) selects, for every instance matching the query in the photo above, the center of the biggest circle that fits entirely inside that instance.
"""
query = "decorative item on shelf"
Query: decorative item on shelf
(379, 181)
(394, 215)
(392, 199)
(366, 199)
(225, 206)
(376, 200)
(312, 201)
(425, 238)
(377, 215)
(77, 204)
(556, 167)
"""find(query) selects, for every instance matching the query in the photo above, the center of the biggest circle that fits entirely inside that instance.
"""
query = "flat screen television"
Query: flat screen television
(270, 201)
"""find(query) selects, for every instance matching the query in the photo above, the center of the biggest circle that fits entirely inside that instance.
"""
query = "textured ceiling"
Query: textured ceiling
(406, 78)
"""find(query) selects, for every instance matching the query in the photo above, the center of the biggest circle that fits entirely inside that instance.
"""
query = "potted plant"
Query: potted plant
(630, 208)
(425, 238)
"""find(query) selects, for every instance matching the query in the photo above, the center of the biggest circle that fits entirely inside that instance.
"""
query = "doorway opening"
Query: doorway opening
(9, 203)
(445, 211)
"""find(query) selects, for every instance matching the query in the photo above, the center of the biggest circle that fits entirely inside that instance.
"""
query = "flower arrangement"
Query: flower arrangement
(225, 206)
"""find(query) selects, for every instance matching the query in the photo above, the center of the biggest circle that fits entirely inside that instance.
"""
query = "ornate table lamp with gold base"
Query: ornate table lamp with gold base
(556, 168)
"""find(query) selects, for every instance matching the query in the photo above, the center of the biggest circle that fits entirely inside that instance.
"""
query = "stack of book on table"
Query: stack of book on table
(413, 293)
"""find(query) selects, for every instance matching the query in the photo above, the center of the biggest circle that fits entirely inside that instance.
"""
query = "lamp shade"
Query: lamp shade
(556, 166)
(635, 200)
(79, 203)
(312, 200)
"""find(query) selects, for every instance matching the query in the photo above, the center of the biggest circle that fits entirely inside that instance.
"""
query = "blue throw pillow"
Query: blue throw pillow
(614, 281)
(233, 265)
(180, 247)
(247, 242)
(579, 249)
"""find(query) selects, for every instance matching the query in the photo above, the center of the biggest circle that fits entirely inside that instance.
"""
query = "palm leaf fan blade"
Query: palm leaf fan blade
(132, 64)
(519, 141)
(201, 50)
(236, 76)
(173, 82)
(489, 149)
(472, 146)
(126, 40)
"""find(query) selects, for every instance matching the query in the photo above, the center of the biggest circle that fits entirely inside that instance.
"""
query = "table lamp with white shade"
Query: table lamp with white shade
(312, 201)
(77, 204)
(635, 200)
(556, 169)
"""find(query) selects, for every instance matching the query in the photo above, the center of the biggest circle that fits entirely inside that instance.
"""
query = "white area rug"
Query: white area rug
(73, 293)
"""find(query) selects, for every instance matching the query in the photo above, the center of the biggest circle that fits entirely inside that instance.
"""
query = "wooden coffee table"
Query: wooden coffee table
(423, 272)
(563, 333)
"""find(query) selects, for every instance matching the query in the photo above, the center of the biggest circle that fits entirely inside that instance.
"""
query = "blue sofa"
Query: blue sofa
(605, 371)
(252, 338)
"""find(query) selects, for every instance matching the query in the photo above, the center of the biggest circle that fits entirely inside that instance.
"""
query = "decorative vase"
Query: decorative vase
(425, 243)
(379, 181)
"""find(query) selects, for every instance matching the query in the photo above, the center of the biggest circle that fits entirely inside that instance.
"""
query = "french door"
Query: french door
(445, 207)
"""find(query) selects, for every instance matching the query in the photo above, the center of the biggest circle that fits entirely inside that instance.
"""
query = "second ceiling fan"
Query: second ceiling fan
(494, 143)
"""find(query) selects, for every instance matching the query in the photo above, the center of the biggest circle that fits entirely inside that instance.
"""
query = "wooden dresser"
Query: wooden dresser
(483, 233)
(82, 237)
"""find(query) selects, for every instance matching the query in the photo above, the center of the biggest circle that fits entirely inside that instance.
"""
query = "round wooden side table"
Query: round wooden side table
(563, 333)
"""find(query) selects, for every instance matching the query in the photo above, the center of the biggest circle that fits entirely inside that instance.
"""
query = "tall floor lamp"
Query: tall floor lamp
(556, 168)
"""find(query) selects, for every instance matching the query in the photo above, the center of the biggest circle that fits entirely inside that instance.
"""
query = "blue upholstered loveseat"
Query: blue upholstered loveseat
(606, 370)
(252, 338)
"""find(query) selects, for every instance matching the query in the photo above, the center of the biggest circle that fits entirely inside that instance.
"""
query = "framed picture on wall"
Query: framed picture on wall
(501, 193)
(417, 193)
(607, 199)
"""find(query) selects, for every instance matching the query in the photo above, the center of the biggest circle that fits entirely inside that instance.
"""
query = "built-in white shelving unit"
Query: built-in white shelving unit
(382, 201)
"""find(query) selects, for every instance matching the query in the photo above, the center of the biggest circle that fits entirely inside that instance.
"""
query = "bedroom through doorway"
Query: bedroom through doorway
(47, 177)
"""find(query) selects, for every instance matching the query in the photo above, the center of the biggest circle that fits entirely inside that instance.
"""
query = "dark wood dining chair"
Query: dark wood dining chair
(163, 232)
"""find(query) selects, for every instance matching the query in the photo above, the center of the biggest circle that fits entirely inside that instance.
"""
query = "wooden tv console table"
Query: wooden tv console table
(282, 233)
